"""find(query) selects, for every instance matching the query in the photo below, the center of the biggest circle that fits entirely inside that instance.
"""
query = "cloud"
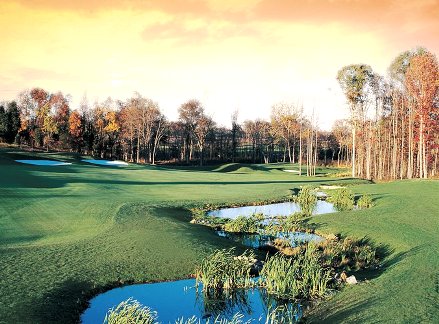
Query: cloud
(192, 31)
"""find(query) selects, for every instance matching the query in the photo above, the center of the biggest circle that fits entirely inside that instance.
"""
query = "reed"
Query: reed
(244, 224)
(284, 314)
(236, 319)
(223, 270)
(299, 277)
(129, 312)
(307, 200)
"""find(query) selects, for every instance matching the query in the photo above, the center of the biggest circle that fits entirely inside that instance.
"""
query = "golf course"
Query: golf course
(71, 231)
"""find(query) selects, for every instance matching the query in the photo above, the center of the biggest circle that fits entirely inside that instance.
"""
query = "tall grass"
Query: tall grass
(224, 302)
(307, 200)
(130, 312)
(365, 201)
(343, 199)
(223, 270)
(292, 278)
(284, 314)
(236, 319)
(244, 224)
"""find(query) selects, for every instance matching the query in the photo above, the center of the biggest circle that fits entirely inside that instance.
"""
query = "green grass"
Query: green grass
(68, 232)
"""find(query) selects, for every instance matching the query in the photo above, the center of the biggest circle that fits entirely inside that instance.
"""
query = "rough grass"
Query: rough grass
(67, 232)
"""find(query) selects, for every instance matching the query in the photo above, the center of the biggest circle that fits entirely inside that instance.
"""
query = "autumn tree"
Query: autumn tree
(59, 105)
(160, 125)
(197, 125)
(354, 81)
(421, 81)
(76, 130)
(284, 126)
(111, 129)
(129, 130)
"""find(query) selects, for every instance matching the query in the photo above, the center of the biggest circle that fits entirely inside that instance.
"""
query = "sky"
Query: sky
(244, 55)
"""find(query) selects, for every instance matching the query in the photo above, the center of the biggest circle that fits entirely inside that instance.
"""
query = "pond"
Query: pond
(257, 240)
(176, 299)
(271, 210)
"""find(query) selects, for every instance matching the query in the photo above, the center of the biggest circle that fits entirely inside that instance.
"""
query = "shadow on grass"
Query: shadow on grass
(342, 310)
(63, 304)
(67, 302)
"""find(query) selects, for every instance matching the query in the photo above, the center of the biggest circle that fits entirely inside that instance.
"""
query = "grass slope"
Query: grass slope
(68, 231)
(406, 219)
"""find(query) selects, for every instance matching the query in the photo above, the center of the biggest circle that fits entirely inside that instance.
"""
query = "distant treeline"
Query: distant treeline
(392, 131)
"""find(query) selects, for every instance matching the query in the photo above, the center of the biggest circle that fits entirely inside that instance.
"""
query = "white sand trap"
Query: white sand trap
(331, 187)
(43, 162)
(292, 171)
(106, 162)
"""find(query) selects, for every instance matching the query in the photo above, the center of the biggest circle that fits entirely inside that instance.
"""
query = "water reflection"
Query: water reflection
(271, 210)
(257, 240)
(181, 299)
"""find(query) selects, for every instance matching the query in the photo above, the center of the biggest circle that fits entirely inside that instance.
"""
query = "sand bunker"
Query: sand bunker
(331, 187)
(106, 162)
(43, 162)
(292, 171)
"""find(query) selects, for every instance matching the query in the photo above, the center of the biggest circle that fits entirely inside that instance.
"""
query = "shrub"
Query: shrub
(343, 199)
(130, 311)
(365, 201)
(348, 253)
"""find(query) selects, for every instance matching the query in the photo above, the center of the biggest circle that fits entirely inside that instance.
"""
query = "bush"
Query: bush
(343, 199)
(130, 311)
(348, 253)
(365, 201)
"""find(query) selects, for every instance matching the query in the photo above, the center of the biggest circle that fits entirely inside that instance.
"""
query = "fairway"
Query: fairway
(70, 231)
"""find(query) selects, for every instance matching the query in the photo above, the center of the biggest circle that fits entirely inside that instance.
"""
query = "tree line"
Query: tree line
(394, 120)
(392, 131)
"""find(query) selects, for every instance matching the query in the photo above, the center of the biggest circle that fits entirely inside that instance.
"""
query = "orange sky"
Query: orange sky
(229, 54)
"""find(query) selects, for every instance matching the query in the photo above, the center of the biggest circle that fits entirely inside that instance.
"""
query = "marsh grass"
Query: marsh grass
(224, 302)
(284, 314)
(343, 199)
(223, 270)
(307, 200)
(243, 224)
(365, 201)
(292, 278)
(130, 312)
(349, 253)
(236, 319)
